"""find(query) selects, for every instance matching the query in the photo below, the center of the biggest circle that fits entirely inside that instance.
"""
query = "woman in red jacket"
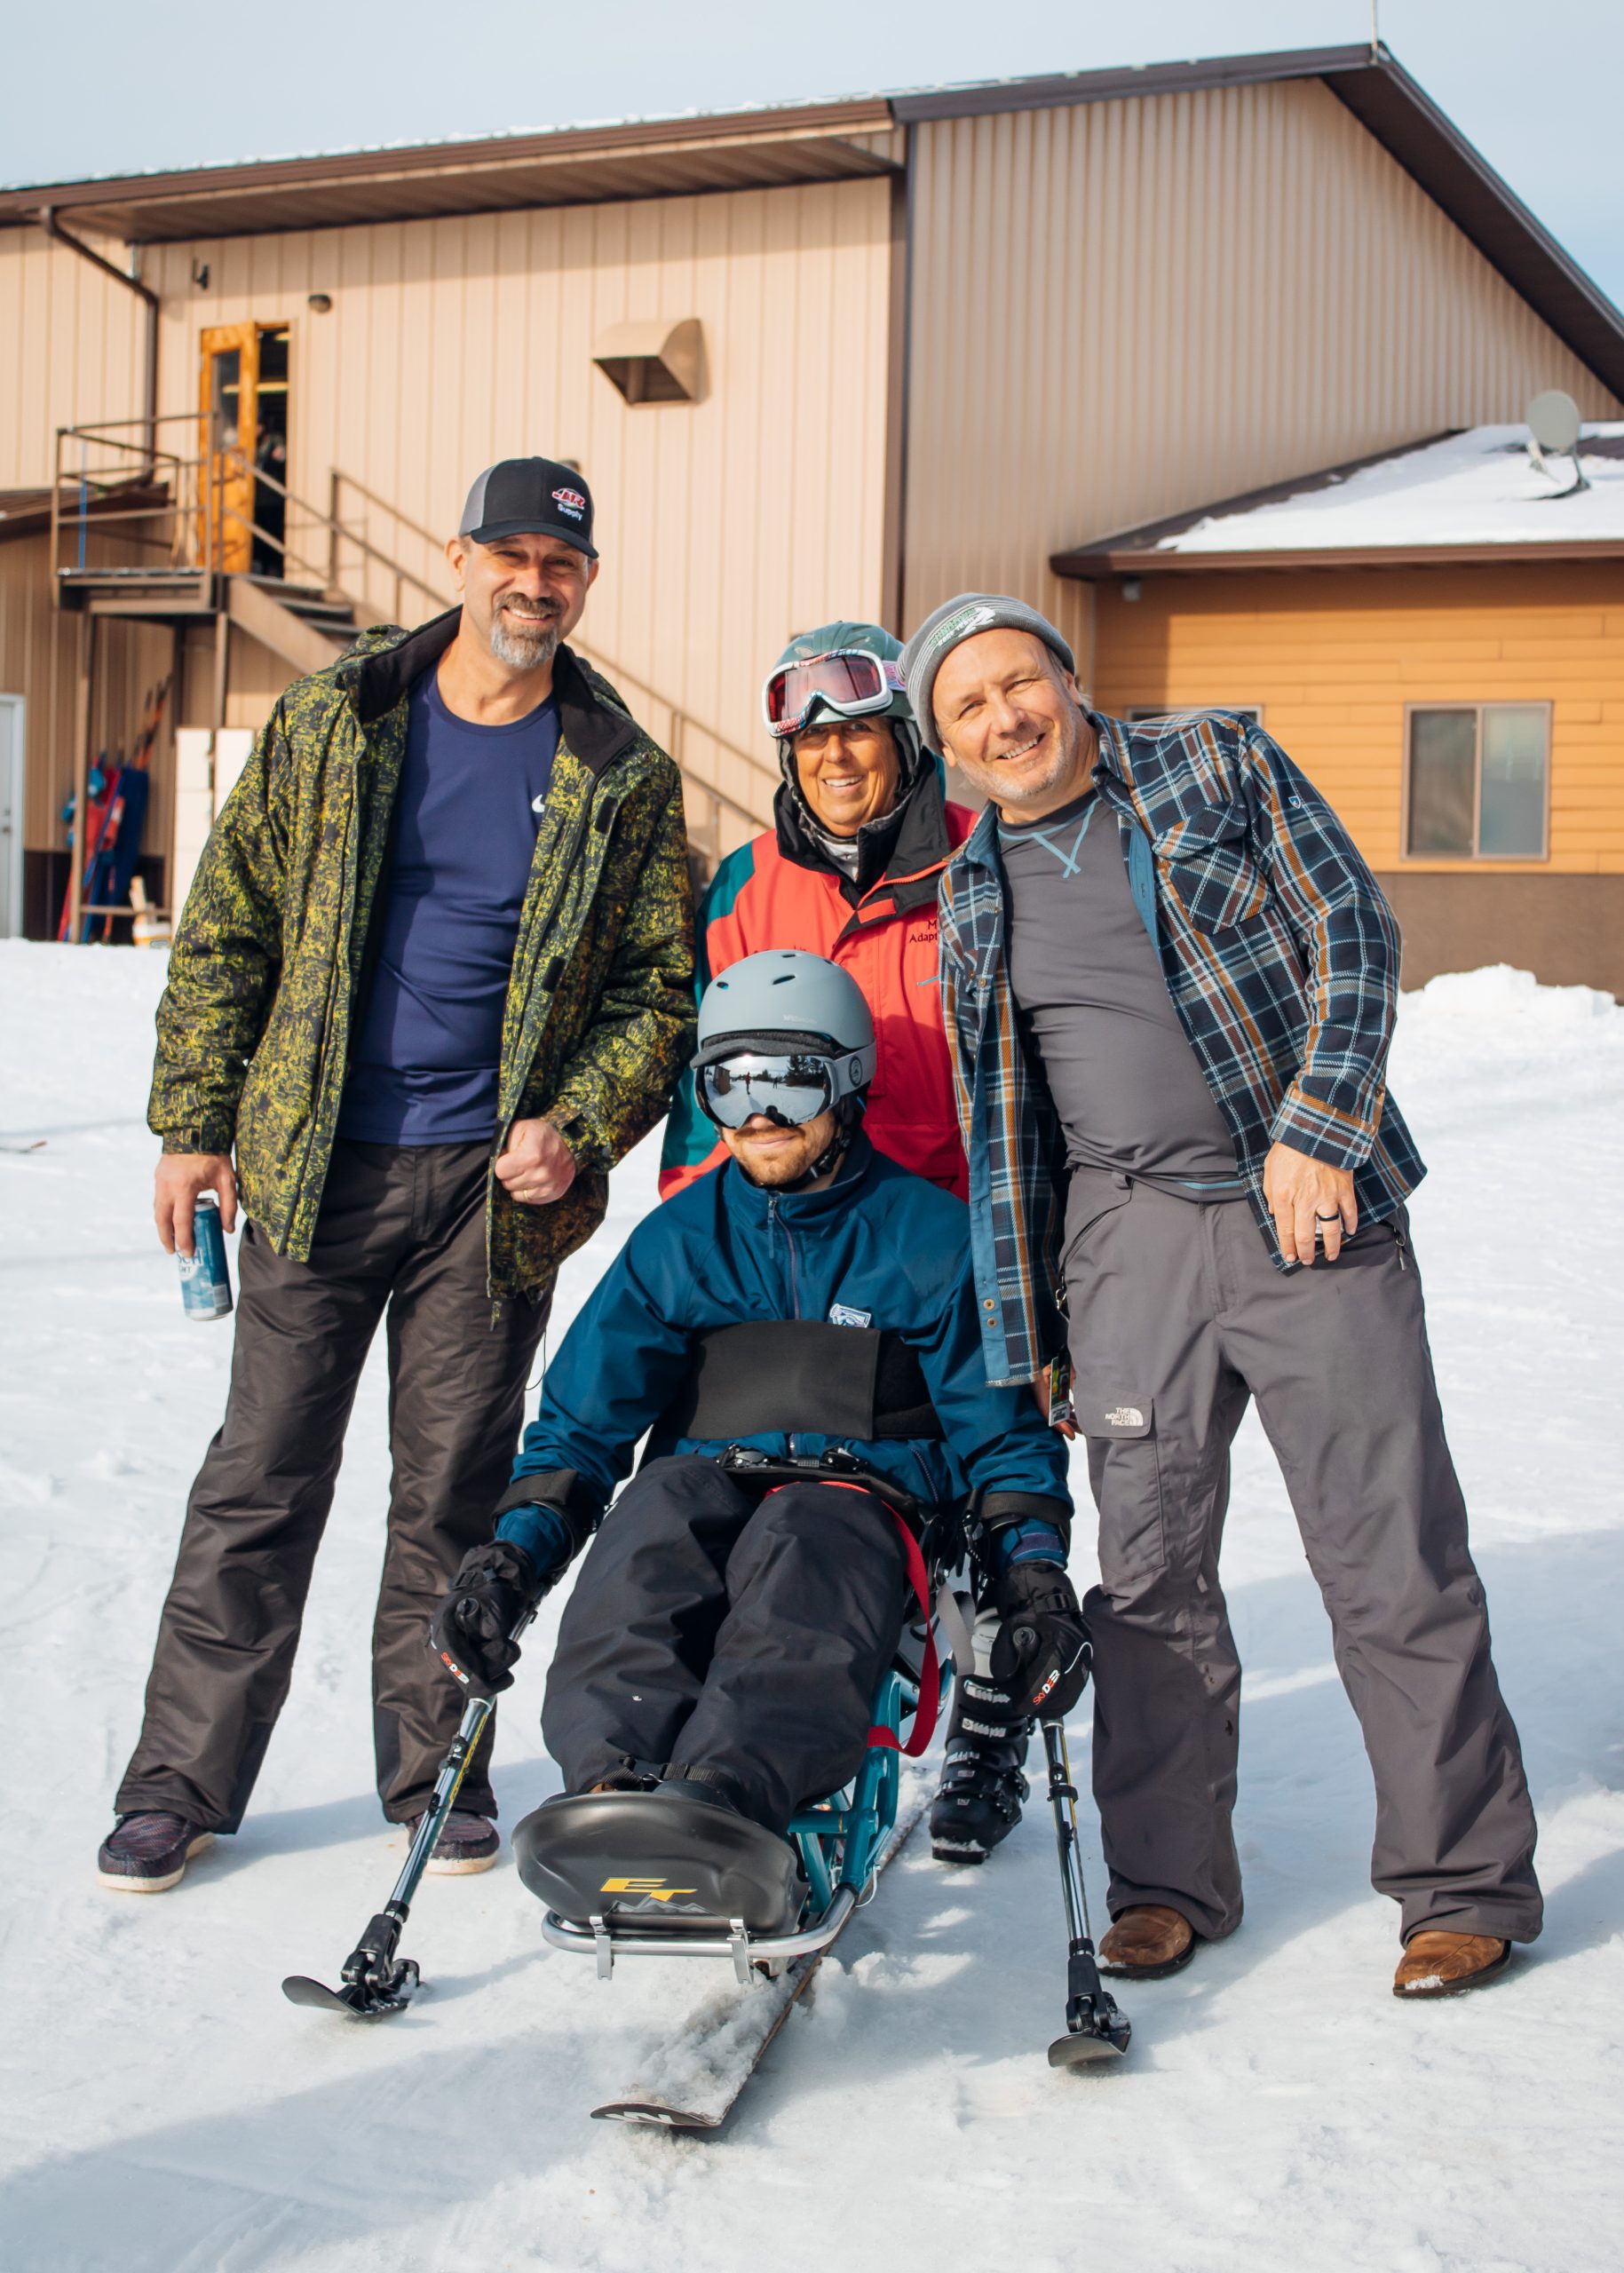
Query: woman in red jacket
(862, 832)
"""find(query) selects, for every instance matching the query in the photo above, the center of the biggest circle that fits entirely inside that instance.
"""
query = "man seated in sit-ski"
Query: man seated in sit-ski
(726, 1633)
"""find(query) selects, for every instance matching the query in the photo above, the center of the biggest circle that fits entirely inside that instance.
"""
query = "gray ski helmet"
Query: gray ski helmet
(785, 999)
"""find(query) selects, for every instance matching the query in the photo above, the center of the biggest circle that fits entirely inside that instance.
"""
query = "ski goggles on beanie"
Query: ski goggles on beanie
(849, 681)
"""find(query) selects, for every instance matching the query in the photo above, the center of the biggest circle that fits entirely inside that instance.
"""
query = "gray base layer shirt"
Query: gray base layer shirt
(1095, 1012)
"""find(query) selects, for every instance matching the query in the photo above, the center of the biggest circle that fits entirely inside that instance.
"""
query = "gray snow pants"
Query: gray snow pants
(402, 1228)
(1179, 1315)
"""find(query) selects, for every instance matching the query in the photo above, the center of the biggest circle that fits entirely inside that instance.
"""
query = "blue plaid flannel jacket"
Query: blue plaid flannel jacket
(1281, 957)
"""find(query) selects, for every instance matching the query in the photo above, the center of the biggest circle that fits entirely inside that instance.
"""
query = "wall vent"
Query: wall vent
(653, 361)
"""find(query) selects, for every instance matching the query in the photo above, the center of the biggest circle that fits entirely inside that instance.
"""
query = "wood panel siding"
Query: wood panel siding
(1123, 308)
(1335, 658)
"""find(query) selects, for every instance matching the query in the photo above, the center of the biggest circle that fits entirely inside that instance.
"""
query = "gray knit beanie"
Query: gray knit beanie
(961, 619)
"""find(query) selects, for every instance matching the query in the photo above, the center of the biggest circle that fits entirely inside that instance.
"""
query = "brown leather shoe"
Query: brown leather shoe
(1146, 1942)
(1437, 1964)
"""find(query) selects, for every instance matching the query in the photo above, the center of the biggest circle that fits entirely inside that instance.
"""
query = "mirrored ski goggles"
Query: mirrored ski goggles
(851, 682)
(791, 1089)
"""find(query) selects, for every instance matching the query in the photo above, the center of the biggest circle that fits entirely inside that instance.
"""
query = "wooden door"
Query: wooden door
(229, 405)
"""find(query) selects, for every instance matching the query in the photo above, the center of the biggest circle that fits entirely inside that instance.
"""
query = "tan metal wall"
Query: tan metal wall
(1117, 310)
(1121, 310)
(71, 344)
(71, 350)
(724, 525)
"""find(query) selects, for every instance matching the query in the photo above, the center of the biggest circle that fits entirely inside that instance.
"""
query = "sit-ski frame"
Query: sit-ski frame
(841, 1841)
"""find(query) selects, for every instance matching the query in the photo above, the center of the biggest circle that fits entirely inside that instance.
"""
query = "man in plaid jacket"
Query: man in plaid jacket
(1169, 984)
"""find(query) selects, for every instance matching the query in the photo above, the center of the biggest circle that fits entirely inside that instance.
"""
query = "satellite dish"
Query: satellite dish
(1554, 422)
(1554, 425)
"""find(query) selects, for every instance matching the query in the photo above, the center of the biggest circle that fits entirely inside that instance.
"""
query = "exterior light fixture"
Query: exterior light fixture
(320, 303)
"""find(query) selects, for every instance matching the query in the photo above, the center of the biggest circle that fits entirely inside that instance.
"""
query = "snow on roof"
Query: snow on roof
(1476, 487)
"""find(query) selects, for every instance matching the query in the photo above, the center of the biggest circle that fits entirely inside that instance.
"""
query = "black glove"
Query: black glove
(1042, 1653)
(496, 1584)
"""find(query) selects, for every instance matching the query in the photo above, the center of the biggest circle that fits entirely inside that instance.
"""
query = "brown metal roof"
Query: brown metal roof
(811, 142)
(1106, 561)
(1099, 558)
(1055, 90)
(1146, 551)
(571, 165)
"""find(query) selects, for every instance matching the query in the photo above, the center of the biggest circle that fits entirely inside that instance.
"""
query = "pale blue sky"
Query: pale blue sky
(107, 86)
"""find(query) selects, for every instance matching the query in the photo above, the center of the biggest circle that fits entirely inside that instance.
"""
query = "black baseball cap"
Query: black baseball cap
(530, 497)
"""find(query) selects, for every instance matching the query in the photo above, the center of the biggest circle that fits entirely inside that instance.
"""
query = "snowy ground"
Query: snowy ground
(162, 2106)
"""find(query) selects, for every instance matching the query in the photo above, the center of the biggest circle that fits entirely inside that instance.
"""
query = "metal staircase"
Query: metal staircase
(141, 532)
(305, 624)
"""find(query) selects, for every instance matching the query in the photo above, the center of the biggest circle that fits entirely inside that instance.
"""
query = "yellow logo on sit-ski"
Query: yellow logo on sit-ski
(656, 1889)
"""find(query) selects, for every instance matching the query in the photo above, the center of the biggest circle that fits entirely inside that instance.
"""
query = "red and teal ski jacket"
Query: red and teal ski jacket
(782, 890)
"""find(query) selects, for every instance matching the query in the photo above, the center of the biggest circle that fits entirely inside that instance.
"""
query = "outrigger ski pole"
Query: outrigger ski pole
(376, 1982)
(1095, 2028)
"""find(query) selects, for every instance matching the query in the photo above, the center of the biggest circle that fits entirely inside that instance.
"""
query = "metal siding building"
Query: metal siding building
(944, 337)
(1119, 306)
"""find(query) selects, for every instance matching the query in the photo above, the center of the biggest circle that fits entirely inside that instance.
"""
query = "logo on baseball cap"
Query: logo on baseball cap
(530, 497)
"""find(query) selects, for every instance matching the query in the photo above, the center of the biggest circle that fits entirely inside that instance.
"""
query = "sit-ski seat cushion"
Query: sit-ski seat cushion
(668, 1864)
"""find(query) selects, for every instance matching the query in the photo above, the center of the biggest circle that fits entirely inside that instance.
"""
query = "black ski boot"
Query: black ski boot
(982, 1786)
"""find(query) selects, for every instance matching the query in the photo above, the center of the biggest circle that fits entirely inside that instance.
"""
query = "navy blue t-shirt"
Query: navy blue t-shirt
(423, 1068)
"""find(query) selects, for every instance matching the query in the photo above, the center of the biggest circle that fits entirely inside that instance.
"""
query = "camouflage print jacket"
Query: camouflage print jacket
(269, 957)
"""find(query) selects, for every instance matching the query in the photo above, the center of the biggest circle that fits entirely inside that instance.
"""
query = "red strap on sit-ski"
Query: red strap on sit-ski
(929, 1673)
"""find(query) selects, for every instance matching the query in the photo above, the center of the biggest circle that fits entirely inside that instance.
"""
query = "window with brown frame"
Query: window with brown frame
(1477, 781)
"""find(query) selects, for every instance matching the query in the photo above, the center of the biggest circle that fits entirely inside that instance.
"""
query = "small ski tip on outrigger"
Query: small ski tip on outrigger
(376, 1982)
(1096, 2030)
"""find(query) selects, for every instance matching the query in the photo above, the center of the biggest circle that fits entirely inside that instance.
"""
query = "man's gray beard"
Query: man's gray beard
(523, 649)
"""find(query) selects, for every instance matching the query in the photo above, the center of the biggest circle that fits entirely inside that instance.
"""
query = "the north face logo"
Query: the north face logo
(1125, 1416)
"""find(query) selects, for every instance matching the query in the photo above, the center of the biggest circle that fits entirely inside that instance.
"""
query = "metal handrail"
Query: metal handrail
(199, 513)
(338, 478)
(682, 722)
(204, 505)
(605, 663)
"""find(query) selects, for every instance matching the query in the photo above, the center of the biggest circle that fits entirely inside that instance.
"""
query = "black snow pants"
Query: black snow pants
(401, 1230)
(727, 1638)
